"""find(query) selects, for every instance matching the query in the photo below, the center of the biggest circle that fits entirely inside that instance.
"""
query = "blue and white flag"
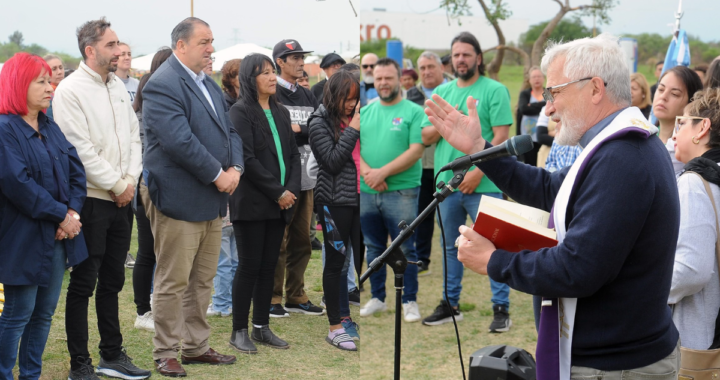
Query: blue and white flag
(678, 54)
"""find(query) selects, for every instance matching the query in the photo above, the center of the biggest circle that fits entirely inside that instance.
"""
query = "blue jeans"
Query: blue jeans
(379, 217)
(227, 265)
(26, 320)
(455, 210)
(350, 274)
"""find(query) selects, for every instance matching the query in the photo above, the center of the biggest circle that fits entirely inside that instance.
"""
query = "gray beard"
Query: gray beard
(369, 80)
(572, 129)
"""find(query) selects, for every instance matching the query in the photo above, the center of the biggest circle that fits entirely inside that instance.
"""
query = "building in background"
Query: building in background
(432, 32)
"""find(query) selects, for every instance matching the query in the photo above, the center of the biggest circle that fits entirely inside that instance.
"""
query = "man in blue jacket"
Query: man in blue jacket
(193, 160)
(616, 212)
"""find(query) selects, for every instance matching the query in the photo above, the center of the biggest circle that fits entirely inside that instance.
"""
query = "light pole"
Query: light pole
(191, 8)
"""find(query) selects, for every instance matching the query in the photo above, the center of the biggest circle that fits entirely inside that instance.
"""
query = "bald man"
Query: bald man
(367, 86)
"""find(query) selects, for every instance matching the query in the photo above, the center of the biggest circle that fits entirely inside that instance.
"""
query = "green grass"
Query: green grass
(430, 352)
(309, 357)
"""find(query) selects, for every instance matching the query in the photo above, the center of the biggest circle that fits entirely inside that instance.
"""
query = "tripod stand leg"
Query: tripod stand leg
(398, 326)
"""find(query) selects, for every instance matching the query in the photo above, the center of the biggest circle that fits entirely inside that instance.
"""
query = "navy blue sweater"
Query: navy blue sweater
(617, 257)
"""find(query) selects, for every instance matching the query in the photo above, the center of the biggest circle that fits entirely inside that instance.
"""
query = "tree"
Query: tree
(499, 11)
(566, 30)
(17, 38)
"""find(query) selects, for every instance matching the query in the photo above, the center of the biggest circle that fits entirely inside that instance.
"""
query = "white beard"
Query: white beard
(369, 80)
(571, 130)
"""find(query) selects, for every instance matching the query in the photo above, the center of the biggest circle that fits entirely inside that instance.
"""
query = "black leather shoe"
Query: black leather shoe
(264, 336)
(240, 341)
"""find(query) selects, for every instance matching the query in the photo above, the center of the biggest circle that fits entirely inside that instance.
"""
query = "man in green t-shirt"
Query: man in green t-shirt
(493, 105)
(390, 150)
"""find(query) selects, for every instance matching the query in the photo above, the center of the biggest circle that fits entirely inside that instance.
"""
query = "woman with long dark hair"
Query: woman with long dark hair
(334, 140)
(261, 206)
(145, 258)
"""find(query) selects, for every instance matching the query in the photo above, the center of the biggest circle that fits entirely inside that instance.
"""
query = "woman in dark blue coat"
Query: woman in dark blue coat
(42, 190)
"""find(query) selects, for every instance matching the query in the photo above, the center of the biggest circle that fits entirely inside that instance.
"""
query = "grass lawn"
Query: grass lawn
(309, 357)
(430, 352)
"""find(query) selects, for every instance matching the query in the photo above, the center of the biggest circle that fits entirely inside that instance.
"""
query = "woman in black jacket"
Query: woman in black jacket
(529, 105)
(261, 206)
(334, 139)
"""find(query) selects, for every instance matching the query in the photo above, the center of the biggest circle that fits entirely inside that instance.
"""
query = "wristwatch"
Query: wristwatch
(238, 168)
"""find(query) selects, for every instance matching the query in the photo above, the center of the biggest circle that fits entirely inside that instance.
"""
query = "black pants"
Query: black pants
(424, 235)
(144, 262)
(258, 245)
(107, 235)
(341, 225)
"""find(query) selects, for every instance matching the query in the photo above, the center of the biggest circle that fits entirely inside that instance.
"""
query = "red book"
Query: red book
(512, 226)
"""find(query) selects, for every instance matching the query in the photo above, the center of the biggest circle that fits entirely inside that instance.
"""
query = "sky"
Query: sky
(628, 16)
(322, 26)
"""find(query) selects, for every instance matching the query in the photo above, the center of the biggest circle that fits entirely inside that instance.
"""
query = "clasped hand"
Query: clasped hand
(70, 227)
(287, 200)
(228, 181)
(123, 199)
(375, 178)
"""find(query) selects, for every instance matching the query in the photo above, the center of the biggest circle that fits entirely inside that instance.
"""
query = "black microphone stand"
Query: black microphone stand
(395, 258)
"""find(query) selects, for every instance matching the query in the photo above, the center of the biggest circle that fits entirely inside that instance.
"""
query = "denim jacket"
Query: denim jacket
(29, 214)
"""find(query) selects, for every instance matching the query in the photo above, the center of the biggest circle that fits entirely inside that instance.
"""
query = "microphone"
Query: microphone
(512, 147)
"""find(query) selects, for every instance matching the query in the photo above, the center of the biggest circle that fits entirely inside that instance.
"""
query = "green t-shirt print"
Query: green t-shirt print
(493, 105)
(278, 146)
(387, 132)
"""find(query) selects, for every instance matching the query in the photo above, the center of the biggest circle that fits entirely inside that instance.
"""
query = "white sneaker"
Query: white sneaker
(211, 312)
(145, 322)
(411, 311)
(373, 306)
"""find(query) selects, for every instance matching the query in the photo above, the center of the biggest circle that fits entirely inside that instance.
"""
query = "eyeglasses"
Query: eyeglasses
(368, 66)
(680, 121)
(547, 91)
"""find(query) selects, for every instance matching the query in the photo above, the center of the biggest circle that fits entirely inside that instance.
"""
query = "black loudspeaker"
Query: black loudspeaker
(501, 363)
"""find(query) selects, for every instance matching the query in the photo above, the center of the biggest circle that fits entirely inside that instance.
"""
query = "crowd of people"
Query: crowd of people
(226, 184)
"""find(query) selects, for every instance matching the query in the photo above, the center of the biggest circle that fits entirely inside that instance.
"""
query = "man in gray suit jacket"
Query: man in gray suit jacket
(193, 160)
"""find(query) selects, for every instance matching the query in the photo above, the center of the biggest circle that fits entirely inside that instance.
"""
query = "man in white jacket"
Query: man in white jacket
(94, 111)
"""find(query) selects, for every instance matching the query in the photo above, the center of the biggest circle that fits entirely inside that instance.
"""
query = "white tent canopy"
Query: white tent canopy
(142, 63)
(237, 51)
(221, 56)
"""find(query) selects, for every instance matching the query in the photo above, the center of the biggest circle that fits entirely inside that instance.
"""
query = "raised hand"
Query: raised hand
(462, 132)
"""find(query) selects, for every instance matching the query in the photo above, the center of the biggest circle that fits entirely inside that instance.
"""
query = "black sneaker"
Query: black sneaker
(442, 315)
(85, 372)
(354, 297)
(322, 302)
(501, 322)
(121, 368)
(277, 311)
(304, 308)
(316, 244)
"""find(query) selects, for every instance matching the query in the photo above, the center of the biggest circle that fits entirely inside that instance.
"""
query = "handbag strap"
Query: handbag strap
(716, 340)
